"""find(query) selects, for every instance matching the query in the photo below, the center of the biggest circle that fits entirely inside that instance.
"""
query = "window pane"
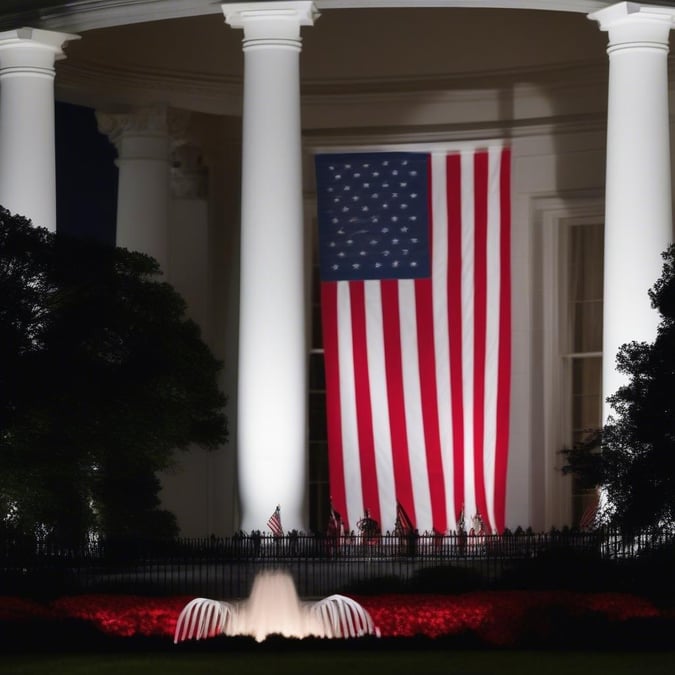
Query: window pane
(587, 326)
(317, 373)
(586, 394)
(585, 288)
(585, 333)
(318, 430)
(317, 328)
(587, 376)
(318, 462)
(586, 249)
(586, 414)
(319, 498)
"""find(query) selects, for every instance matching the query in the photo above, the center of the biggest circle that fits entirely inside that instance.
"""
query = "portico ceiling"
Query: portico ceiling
(196, 60)
(181, 52)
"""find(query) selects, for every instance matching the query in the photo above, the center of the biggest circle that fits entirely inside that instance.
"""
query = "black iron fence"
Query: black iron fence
(320, 565)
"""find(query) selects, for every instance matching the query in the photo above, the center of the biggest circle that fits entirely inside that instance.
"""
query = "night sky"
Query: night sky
(86, 176)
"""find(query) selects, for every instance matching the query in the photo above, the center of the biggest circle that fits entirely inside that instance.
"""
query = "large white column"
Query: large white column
(638, 218)
(27, 155)
(187, 489)
(272, 391)
(142, 139)
(189, 232)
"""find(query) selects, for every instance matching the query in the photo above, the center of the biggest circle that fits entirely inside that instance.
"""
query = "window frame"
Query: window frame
(553, 218)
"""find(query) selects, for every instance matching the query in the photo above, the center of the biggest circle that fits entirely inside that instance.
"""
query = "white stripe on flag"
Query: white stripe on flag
(468, 271)
(378, 394)
(492, 351)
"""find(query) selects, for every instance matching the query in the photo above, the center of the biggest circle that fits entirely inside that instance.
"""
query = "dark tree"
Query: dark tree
(102, 377)
(633, 458)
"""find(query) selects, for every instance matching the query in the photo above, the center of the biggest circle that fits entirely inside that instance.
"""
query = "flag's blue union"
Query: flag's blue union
(374, 214)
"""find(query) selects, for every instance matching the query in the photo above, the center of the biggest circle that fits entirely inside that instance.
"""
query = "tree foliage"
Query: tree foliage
(102, 377)
(633, 458)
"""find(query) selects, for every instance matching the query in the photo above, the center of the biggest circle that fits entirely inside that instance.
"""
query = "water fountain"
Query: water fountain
(273, 608)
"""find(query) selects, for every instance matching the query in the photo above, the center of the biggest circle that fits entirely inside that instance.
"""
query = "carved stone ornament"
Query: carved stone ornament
(189, 175)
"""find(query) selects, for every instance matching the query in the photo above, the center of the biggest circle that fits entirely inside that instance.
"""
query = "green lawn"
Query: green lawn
(357, 663)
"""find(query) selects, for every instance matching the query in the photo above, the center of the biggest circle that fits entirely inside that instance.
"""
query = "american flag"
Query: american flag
(403, 523)
(335, 525)
(461, 521)
(589, 517)
(274, 523)
(414, 252)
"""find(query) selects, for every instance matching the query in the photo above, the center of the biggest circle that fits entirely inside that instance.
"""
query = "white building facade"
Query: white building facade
(216, 112)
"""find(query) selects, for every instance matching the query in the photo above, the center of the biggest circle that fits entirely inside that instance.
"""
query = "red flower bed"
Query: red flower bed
(124, 615)
(497, 618)
(20, 609)
(430, 615)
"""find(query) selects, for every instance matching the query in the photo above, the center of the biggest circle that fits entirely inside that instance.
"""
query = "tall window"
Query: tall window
(319, 497)
(584, 340)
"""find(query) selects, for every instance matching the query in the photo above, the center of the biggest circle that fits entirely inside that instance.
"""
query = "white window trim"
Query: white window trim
(552, 218)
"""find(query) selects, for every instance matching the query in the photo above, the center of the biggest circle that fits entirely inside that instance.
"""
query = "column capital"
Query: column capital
(632, 23)
(27, 165)
(270, 23)
(158, 122)
(32, 48)
(149, 121)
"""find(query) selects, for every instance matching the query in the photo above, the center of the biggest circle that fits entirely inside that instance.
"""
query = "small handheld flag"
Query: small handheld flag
(335, 524)
(404, 525)
(274, 523)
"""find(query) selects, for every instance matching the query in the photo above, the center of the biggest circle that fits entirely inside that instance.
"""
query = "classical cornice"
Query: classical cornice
(579, 6)
(96, 84)
(111, 76)
(322, 139)
(82, 15)
(555, 75)
(222, 94)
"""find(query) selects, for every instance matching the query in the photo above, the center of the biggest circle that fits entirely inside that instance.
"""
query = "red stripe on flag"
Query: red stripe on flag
(504, 367)
(480, 187)
(428, 381)
(427, 371)
(394, 374)
(329, 313)
(454, 206)
(364, 412)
